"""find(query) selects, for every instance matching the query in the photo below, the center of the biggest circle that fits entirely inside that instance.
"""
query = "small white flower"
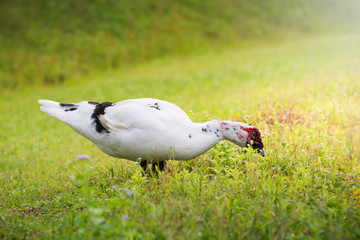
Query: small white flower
(128, 192)
(83, 156)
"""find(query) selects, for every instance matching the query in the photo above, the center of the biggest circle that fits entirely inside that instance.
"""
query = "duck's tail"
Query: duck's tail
(55, 109)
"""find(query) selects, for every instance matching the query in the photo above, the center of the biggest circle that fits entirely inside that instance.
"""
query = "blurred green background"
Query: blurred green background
(289, 67)
(50, 42)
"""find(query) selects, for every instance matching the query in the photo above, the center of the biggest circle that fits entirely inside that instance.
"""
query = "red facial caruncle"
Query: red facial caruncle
(253, 138)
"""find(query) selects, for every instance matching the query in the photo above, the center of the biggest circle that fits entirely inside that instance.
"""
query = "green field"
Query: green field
(303, 94)
(47, 42)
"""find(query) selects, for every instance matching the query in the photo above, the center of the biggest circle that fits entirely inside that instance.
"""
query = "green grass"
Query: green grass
(50, 42)
(303, 95)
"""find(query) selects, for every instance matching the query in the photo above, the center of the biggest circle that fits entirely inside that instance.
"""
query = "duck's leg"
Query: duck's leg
(161, 165)
(144, 164)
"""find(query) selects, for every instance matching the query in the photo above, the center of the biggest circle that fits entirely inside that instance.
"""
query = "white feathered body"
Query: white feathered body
(149, 129)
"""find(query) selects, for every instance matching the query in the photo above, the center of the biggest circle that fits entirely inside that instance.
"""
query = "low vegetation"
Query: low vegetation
(305, 97)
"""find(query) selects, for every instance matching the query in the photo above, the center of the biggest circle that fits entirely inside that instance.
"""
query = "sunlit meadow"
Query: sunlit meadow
(304, 95)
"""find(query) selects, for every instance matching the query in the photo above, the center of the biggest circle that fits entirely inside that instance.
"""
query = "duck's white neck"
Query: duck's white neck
(200, 137)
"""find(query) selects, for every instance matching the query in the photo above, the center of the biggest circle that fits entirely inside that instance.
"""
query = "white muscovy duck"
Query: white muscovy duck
(149, 130)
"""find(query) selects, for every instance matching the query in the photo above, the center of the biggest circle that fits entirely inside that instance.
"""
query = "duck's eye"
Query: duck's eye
(254, 133)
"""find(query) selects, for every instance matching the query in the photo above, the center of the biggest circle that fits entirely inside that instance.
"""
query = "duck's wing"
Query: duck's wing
(163, 109)
(142, 114)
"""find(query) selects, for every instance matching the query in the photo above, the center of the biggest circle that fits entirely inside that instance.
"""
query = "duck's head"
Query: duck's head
(254, 139)
(244, 135)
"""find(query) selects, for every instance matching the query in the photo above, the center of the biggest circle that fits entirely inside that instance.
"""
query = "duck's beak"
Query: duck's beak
(261, 151)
